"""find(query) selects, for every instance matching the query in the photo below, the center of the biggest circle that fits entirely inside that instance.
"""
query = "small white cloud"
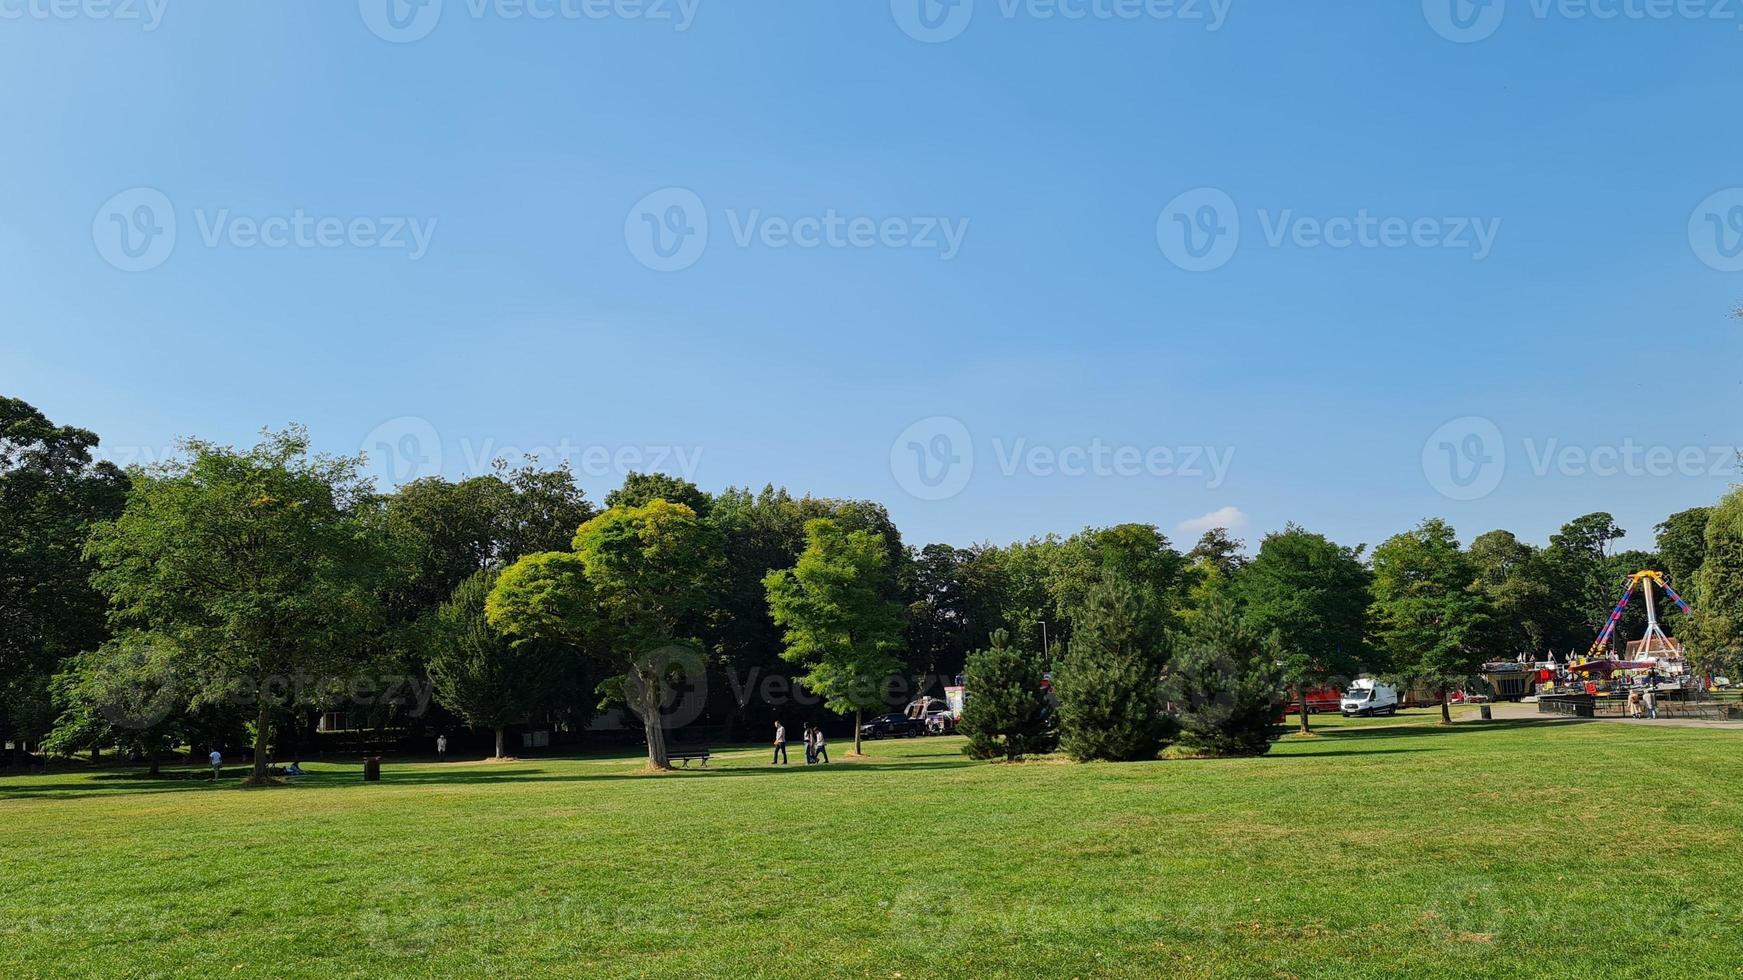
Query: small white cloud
(1229, 517)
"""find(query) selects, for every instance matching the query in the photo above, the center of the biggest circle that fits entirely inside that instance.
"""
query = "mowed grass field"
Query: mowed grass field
(1377, 849)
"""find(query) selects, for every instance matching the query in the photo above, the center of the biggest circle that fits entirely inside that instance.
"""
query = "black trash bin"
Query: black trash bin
(1487, 714)
(372, 769)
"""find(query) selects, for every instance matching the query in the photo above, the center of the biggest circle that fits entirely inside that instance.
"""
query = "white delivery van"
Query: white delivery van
(1367, 696)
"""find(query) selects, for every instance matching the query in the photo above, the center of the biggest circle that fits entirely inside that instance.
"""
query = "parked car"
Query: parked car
(895, 725)
(1369, 697)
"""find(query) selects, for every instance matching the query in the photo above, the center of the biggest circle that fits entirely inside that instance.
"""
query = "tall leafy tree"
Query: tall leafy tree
(262, 566)
(1433, 621)
(1007, 713)
(1221, 549)
(51, 492)
(1682, 543)
(640, 489)
(1719, 618)
(478, 672)
(1110, 683)
(839, 620)
(631, 596)
(1227, 682)
(131, 693)
(1313, 594)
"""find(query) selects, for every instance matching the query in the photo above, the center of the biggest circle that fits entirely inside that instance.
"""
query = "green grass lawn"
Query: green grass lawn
(1379, 848)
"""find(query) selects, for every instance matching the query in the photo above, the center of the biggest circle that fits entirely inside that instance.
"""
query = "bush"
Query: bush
(1109, 685)
(1228, 686)
(1006, 713)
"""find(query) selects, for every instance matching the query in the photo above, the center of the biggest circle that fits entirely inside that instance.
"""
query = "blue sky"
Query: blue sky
(1551, 247)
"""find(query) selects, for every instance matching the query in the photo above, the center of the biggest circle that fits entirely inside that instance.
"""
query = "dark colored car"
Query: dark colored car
(892, 726)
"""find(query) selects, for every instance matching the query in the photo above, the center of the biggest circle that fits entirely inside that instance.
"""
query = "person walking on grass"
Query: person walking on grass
(217, 760)
(819, 749)
(780, 744)
(441, 748)
(1650, 700)
(1633, 704)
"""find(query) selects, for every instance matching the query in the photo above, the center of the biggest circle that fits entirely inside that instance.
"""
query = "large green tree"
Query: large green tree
(1718, 635)
(838, 619)
(1227, 682)
(1313, 594)
(1006, 714)
(632, 596)
(478, 672)
(1682, 543)
(262, 566)
(1109, 684)
(51, 492)
(131, 693)
(1434, 622)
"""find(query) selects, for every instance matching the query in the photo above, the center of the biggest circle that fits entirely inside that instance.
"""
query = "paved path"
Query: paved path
(1512, 711)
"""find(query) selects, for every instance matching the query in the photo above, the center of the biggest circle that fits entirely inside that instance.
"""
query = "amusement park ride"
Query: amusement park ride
(1656, 657)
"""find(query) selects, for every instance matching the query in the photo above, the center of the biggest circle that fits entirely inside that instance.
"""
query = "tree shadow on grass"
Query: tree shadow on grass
(1416, 729)
(1344, 753)
(129, 784)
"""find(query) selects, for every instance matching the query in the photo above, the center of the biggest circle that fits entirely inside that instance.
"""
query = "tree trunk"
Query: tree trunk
(1445, 708)
(262, 734)
(650, 693)
(1306, 729)
(500, 737)
(856, 724)
(156, 762)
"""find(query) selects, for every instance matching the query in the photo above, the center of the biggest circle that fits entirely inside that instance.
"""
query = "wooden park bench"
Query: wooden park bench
(685, 755)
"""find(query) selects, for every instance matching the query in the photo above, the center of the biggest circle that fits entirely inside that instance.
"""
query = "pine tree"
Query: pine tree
(1006, 713)
(1109, 685)
(1228, 685)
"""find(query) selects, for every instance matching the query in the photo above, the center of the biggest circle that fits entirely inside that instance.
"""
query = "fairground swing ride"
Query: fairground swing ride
(1655, 658)
(1655, 653)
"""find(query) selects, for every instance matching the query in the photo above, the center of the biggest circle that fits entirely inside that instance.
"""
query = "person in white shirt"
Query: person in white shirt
(441, 748)
(780, 744)
(217, 759)
(818, 745)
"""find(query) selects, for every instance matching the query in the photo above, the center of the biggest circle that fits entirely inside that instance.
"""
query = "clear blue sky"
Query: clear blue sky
(1596, 317)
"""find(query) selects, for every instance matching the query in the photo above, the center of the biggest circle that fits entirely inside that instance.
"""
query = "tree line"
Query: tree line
(232, 593)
